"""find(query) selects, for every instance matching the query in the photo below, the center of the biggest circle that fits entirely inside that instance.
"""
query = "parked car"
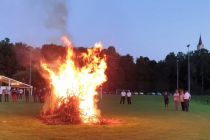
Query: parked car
(141, 93)
(159, 94)
(153, 93)
(135, 93)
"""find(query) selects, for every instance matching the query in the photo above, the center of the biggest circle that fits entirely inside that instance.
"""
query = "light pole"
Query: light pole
(177, 73)
(30, 69)
(188, 46)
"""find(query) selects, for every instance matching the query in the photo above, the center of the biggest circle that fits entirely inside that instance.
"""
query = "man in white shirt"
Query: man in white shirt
(122, 100)
(20, 91)
(129, 97)
(187, 98)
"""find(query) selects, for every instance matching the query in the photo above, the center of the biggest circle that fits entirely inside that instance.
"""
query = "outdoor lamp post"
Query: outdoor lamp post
(177, 73)
(188, 46)
(30, 68)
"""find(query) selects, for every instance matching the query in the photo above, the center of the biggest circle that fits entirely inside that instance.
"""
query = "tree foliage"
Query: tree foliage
(123, 72)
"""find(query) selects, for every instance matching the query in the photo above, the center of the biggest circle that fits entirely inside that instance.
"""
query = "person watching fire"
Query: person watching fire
(129, 97)
(187, 98)
(6, 94)
(122, 100)
(176, 100)
(14, 95)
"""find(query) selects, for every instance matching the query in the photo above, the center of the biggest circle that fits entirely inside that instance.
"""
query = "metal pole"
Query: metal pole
(188, 46)
(177, 74)
(30, 70)
(9, 83)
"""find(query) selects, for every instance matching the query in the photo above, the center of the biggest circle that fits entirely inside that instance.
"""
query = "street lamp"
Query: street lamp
(177, 73)
(188, 46)
(30, 68)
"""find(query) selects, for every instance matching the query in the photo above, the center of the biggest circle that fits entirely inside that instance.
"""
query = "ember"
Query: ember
(74, 88)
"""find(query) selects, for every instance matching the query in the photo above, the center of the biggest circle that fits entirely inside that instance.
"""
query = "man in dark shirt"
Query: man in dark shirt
(27, 95)
(166, 99)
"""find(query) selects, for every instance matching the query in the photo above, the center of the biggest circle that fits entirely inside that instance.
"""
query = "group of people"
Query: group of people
(180, 98)
(125, 94)
(39, 94)
(16, 93)
(5, 93)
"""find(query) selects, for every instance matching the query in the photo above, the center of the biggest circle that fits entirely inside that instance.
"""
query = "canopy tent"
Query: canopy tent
(14, 83)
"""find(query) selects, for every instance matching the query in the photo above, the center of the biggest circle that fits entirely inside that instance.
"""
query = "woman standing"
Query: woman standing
(176, 100)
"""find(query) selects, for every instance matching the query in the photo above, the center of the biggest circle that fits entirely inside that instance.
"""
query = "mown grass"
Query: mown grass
(145, 119)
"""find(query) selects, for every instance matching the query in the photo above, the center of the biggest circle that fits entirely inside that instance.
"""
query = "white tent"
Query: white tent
(14, 83)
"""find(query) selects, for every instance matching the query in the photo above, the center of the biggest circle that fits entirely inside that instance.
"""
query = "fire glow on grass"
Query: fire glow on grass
(75, 85)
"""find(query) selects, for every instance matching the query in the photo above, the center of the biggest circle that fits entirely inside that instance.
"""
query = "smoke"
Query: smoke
(51, 16)
(56, 15)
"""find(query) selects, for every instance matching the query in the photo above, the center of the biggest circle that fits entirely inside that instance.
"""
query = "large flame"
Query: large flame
(70, 80)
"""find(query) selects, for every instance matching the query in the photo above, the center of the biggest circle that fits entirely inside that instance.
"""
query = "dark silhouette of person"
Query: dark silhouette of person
(166, 99)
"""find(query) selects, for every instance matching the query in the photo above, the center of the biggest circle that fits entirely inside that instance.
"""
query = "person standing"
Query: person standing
(27, 95)
(40, 93)
(176, 100)
(122, 100)
(20, 93)
(187, 98)
(14, 95)
(35, 95)
(6, 94)
(181, 98)
(1, 93)
(166, 99)
(129, 97)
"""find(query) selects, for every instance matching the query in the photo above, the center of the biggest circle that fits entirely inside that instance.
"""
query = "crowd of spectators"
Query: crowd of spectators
(21, 94)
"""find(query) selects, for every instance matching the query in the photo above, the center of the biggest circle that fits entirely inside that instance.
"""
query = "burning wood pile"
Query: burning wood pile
(74, 88)
(66, 113)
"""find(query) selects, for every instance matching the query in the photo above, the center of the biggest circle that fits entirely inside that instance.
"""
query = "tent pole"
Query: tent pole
(9, 83)
(31, 91)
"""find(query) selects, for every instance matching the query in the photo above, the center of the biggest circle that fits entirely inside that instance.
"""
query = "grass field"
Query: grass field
(144, 119)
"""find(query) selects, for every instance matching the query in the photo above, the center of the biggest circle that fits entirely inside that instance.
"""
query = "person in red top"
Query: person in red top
(14, 95)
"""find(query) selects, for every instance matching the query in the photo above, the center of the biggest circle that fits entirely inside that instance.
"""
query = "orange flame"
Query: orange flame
(70, 80)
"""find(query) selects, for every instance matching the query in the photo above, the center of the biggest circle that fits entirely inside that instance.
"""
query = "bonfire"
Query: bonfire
(73, 98)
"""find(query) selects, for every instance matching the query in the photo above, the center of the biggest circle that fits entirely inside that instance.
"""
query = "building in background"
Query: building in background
(200, 44)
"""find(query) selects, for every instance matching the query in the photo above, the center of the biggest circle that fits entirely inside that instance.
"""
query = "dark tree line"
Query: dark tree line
(123, 72)
(150, 76)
